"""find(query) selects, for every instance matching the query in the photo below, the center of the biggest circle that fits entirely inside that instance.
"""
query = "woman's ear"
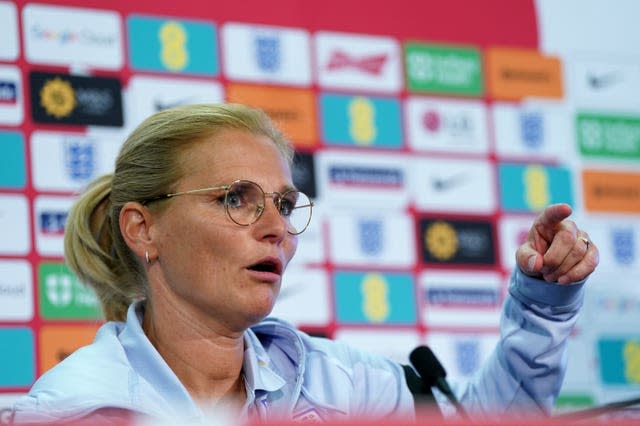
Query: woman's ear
(135, 224)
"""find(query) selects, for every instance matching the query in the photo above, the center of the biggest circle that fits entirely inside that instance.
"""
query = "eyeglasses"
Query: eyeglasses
(245, 202)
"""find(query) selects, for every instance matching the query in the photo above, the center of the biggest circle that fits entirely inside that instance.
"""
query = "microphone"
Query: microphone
(433, 374)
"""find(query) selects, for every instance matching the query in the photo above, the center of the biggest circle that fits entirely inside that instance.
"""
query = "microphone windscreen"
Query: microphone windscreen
(424, 360)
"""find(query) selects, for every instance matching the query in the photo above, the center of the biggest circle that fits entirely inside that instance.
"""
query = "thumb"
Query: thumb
(528, 259)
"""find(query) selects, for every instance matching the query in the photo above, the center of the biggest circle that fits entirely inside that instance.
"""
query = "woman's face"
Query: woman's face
(208, 265)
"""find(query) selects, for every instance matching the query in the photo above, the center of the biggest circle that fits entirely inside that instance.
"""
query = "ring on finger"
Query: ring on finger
(586, 241)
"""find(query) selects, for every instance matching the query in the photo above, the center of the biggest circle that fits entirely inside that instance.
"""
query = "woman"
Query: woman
(185, 245)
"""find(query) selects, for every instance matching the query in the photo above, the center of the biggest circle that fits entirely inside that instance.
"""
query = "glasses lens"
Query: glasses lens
(296, 207)
(245, 202)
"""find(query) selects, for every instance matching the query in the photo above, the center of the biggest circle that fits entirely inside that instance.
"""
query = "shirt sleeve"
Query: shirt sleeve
(524, 373)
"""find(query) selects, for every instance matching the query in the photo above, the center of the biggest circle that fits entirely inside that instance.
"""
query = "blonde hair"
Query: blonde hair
(148, 164)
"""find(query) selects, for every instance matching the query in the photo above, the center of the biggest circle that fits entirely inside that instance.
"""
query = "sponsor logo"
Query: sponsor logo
(462, 297)
(79, 158)
(72, 36)
(17, 351)
(623, 242)
(374, 298)
(9, 48)
(371, 238)
(619, 360)
(366, 176)
(457, 242)
(358, 62)
(462, 353)
(467, 356)
(604, 85)
(10, 95)
(443, 69)
(618, 305)
(12, 160)
(68, 161)
(148, 95)
(62, 296)
(444, 184)
(531, 187)
(608, 135)
(14, 225)
(514, 74)
(266, 54)
(67, 99)
(172, 45)
(346, 179)
(459, 126)
(370, 64)
(531, 128)
(52, 222)
(16, 299)
(600, 81)
(361, 121)
(293, 110)
(58, 342)
(50, 213)
(447, 125)
(453, 185)
(382, 239)
(605, 191)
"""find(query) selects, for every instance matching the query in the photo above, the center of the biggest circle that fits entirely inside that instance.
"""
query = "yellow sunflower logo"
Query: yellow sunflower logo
(57, 97)
(441, 240)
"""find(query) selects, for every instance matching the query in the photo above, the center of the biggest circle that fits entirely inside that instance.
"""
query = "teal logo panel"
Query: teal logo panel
(12, 160)
(375, 298)
(619, 361)
(532, 187)
(170, 45)
(17, 357)
(361, 121)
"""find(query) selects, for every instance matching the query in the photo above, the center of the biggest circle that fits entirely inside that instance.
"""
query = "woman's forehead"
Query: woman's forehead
(235, 155)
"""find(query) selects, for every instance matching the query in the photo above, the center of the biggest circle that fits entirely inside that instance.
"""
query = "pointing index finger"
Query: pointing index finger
(553, 215)
(548, 222)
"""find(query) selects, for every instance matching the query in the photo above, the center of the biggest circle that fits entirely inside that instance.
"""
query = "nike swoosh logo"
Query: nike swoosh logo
(442, 184)
(601, 81)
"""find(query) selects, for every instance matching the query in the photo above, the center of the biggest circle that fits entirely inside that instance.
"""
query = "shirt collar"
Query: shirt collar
(259, 374)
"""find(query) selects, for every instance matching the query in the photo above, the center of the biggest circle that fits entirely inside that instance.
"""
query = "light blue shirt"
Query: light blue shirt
(290, 375)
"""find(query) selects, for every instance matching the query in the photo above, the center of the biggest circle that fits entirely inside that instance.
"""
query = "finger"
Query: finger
(583, 268)
(554, 214)
(547, 223)
(562, 243)
(574, 256)
(528, 259)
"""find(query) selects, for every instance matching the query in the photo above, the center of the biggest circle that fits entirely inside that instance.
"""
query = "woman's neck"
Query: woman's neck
(207, 362)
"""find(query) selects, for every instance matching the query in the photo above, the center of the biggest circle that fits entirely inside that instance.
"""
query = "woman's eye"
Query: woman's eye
(286, 207)
(234, 199)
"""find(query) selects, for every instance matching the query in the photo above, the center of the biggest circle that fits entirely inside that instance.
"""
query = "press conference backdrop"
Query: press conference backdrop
(429, 135)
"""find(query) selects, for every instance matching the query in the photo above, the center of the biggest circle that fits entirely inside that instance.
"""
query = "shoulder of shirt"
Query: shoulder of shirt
(60, 393)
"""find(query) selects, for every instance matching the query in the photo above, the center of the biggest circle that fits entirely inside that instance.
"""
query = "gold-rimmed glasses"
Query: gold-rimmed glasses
(245, 201)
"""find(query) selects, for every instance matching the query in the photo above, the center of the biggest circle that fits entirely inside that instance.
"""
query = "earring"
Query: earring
(146, 256)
